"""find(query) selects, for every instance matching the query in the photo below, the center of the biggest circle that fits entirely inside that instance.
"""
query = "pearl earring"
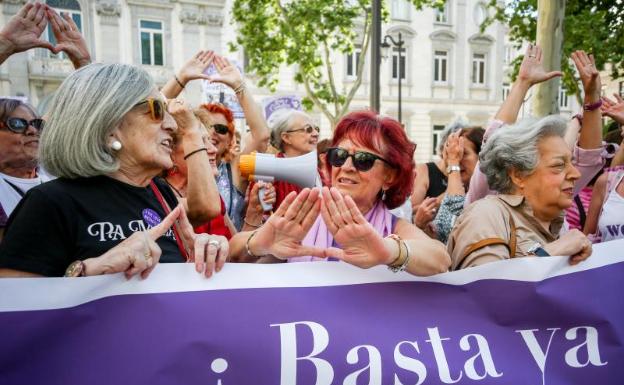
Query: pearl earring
(116, 145)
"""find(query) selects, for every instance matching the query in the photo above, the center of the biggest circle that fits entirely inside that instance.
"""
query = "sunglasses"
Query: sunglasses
(362, 160)
(221, 129)
(157, 108)
(19, 125)
(307, 128)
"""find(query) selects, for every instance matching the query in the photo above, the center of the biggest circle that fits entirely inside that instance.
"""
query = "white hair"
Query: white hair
(87, 107)
(515, 147)
(281, 121)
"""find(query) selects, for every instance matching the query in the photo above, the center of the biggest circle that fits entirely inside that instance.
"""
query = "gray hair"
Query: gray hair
(448, 130)
(281, 121)
(87, 107)
(515, 147)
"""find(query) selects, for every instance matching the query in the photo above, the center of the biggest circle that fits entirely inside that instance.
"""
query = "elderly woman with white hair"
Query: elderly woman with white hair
(108, 136)
(293, 133)
(530, 166)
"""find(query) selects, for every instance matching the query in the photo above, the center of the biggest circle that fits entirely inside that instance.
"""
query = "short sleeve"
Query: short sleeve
(37, 237)
(483, 220)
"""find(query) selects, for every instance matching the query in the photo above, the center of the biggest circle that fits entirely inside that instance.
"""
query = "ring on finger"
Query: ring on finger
(214, 243)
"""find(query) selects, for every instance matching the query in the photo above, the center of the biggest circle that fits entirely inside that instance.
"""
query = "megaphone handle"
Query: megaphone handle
(265, 206)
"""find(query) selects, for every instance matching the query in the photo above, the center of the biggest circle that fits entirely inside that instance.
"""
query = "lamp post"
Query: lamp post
(400, 68)
(375, 55)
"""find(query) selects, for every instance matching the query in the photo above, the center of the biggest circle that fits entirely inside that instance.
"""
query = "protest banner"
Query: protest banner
(276, 103)
(525, 321)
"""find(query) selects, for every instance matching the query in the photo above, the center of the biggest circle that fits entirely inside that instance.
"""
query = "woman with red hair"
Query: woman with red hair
(371, 164)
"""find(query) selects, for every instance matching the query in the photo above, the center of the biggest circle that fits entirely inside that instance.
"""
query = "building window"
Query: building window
(509, 54)
(442, 15)
(151, 34)
(395, 63)
(353, 61)
(563, 98)
(438, 130)
(478, 69)
(70, 7)
(506, 89)
(401, 9)
(440, 66)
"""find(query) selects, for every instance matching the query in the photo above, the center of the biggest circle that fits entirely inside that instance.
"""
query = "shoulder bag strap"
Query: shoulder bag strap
(581, 210)
(17, 189)
(167, 209)
(511, 245)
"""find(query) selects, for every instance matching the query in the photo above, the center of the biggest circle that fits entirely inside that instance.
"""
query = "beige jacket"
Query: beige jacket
(490, 218)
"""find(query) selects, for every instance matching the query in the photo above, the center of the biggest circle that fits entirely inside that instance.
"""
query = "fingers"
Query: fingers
(538, 53)
(224, 252)
(164, 225)
(70, 22)
(327, 218)
(332, 208)
(25, 10)
(211, 252)
(281, 210)
(618, 98)
(32, 11)
(155, 253)
(357, 215)
(311, 216)
(553, 74)
(40, 15)
(297, 205)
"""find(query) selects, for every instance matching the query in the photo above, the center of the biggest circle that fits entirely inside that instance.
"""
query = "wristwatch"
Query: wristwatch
(76, 269)
(538, 250)
(450, 169)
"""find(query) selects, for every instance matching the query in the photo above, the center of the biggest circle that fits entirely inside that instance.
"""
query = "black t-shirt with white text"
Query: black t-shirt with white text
(65, 220)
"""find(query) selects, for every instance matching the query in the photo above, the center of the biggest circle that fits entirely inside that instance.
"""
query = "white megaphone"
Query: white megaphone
(299, 170)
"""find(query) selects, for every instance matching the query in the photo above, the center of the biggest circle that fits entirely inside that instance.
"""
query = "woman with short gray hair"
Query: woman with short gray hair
(293, 133)
(108, 137)
(530, 166)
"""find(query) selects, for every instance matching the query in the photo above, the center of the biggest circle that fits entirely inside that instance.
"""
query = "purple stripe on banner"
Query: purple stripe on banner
(564, 330)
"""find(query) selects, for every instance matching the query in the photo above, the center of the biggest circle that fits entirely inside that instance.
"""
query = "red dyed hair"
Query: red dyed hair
(223, 110)
(386, 136)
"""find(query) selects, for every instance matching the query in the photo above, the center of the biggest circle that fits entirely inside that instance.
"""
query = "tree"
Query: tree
(306, 33)
(596, 26)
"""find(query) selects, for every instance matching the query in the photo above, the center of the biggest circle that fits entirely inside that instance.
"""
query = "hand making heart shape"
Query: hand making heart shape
(23, 32)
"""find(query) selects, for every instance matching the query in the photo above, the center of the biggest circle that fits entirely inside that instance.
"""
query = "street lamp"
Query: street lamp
(400, 68)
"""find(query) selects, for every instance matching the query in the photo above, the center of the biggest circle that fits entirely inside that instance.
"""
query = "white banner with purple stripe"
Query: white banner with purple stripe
(524, 321)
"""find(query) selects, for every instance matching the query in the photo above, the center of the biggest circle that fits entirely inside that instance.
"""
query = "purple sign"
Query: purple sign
(290, 102)
(524, 321)
(151, 217)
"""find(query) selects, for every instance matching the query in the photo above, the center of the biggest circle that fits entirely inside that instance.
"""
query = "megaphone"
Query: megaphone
(299, 170)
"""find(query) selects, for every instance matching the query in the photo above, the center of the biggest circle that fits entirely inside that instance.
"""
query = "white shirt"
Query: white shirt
(10, 197)
(611, 222)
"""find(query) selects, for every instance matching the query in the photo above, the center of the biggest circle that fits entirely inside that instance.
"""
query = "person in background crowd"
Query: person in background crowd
(321, 151)
(461, 153)
(20, 127)
(587, 150)
(530, 167)
(368, 156)
(220, 120)
(605, 217)
(293, 134)
(20, 124)
(108, 136)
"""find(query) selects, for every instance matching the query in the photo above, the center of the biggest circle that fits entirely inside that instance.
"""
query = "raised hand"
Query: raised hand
(194, 68)
(590, 77)
(454, 149)
(228, 73)
(23, 31)
(613, 109)
(282, 234)
(531, 68)
(361, 245)
(187, 121)
(425, 212)
(68, 38)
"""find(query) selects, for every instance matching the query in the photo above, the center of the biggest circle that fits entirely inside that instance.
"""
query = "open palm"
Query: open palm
(23, 31)
(613, 109)
(228, 73)
(532, 69)
(360, 244)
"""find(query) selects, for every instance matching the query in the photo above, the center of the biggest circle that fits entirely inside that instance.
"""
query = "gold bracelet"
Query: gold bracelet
(399, 259)
(247, 249)
(251, 224)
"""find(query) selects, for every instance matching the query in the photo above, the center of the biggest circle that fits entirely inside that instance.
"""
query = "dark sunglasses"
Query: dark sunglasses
(221, 128)
(362, 160)
(19, 125)
(307, 128)
(157, 108)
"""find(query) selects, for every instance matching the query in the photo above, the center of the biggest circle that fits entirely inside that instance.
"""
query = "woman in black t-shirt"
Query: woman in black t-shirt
(109, 134)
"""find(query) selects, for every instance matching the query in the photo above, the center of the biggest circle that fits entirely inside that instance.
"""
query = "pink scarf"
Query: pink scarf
(379, 217)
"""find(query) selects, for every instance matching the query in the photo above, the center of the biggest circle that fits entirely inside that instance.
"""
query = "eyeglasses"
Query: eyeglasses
(221, 128)
(157, 108)
(19, 125)
(362, 160)
(307, 128)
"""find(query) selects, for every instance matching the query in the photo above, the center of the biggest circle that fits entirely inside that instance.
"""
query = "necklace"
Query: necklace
(174, 189)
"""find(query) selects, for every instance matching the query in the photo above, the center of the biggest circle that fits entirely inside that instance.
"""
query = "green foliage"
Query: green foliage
(304, 33)
(596, 26)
